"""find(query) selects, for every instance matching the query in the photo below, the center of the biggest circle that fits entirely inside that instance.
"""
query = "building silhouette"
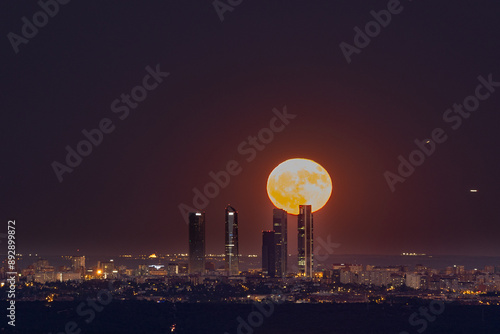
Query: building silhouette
(196, 242)
(231, 241)
(269, 253)
(305, 240)
(280, 230)
(78, 264)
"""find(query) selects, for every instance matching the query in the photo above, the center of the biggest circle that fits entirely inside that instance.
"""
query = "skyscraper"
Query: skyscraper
(305, 240)
(231, 239)
(196, 242)
(280, 230)
(269, 252)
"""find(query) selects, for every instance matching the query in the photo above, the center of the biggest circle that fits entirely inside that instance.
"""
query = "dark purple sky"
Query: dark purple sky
(225, 79)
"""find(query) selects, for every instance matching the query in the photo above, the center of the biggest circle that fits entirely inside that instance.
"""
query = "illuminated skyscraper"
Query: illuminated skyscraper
(196, 242)
(280, 230)
(305, 240)
(231, 246)
(269, 253)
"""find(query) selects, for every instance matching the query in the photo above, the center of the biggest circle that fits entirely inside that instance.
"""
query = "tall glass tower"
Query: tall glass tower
(280, 229)
(196, 242)
(305, 240)
(231, 246)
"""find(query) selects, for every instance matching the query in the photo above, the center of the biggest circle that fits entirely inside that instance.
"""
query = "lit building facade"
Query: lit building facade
(231, 241)
(108, 269)
(78, 264)
(305, 241)
(280, 230)
(196, 242)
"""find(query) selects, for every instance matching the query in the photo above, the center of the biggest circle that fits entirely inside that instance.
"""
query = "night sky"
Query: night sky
(225, 78)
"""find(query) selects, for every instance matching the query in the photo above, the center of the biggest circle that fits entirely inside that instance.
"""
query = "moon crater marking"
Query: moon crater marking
(297, 182)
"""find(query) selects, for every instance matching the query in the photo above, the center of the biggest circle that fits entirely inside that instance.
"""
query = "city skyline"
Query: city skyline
(232, 166)
(355, 119)
(274, 243)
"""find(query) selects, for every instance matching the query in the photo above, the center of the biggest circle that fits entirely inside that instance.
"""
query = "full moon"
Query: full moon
(297, 182)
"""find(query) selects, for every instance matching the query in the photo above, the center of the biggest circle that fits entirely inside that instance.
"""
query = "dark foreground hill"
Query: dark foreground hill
(148, 317)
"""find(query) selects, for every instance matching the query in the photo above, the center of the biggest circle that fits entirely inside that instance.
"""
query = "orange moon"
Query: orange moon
(297, 182)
